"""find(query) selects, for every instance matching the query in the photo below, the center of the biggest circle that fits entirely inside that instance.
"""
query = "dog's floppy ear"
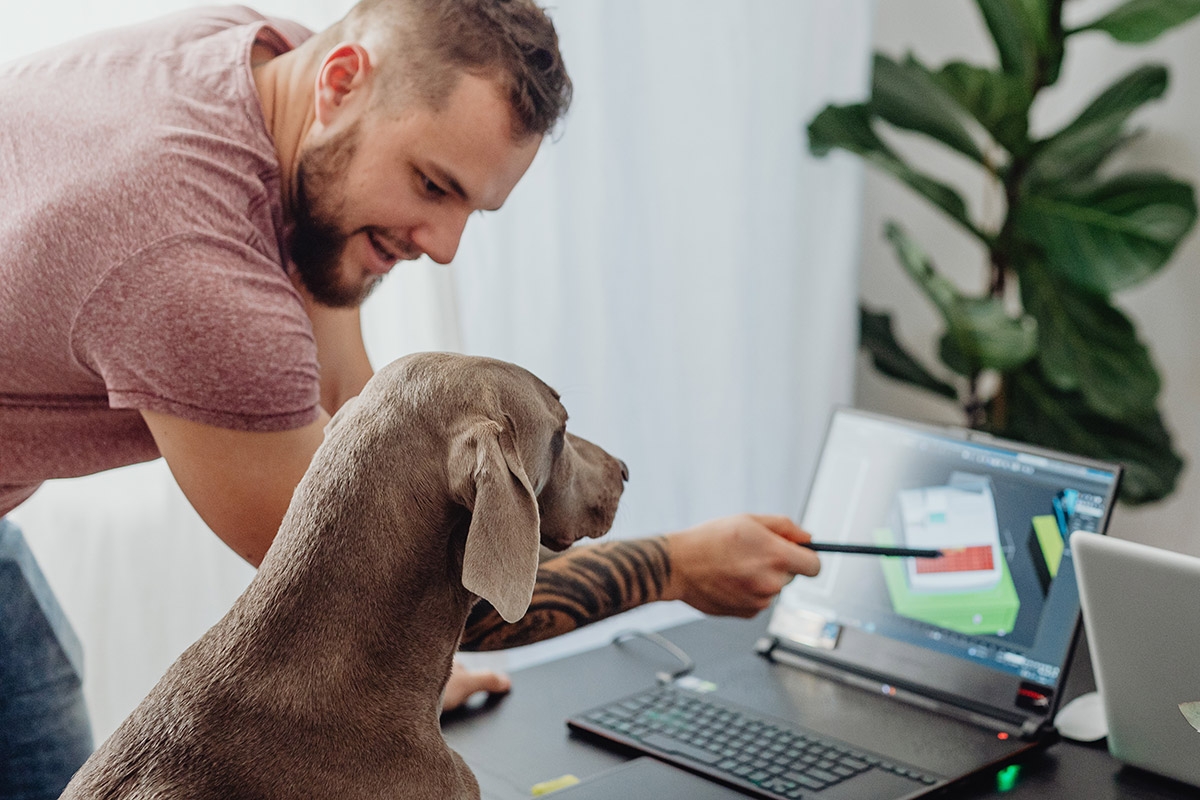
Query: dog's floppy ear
(501, 557)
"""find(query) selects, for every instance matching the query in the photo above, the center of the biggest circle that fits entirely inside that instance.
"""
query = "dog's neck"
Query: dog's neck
(414, 576)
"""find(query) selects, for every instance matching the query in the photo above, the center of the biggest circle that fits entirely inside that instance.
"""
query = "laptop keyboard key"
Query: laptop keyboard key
(668, 745)
(807, 781)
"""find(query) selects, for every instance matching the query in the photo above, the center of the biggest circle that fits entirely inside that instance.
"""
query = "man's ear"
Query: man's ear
(500, 561)
(343, 75)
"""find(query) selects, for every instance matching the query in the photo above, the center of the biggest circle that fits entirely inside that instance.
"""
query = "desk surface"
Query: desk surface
(521, 739)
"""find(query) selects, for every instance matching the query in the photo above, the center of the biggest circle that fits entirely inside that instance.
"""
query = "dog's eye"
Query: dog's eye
(556, 443)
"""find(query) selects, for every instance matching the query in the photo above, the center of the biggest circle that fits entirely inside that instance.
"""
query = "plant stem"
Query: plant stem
(973, 406)
(1003, 252)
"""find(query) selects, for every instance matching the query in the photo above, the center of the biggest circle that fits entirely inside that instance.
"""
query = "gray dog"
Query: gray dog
(325, 678)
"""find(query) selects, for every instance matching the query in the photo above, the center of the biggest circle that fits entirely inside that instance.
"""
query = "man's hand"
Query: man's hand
(734, 566)
(464, 682)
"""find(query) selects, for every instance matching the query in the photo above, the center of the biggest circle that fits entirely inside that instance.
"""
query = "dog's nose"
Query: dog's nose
(624, 470)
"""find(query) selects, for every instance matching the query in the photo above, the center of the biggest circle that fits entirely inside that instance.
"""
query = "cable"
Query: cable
(662, 676)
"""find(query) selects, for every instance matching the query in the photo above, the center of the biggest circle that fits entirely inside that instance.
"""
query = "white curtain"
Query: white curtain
(674, 263)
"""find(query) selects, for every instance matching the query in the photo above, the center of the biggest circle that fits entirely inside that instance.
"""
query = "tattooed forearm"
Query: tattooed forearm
(583, 585)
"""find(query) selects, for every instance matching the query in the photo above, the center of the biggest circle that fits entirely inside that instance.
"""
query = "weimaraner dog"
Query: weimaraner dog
(324, 680)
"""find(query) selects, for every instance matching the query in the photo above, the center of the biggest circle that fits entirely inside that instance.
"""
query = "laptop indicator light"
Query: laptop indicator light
(1006, 779)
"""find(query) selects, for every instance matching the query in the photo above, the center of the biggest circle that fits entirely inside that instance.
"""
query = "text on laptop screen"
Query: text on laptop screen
(1001, 599)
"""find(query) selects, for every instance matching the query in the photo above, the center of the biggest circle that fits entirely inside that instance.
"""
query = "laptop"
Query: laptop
(1139, 611)
(910, 674)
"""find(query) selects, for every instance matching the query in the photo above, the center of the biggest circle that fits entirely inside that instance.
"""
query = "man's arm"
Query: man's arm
(241, 483)
(582, 585)
(730, 566)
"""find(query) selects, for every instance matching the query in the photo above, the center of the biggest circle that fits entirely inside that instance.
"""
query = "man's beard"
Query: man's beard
(318, 240)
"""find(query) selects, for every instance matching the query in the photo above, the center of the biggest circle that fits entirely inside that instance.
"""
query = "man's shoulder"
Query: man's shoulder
(202, 21)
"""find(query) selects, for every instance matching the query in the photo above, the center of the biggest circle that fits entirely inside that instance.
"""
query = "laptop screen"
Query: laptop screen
(988, 625)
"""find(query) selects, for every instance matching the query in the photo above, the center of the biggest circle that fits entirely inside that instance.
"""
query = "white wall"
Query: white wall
(1163, 308)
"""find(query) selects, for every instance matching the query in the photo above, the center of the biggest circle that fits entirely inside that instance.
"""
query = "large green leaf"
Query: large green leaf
(1077, 151)
(979, 333)
(849, 128)
(1088, 346)
(1110, 236)
(1075, 159)
(986, 337)
(889, 356)
(1034, 411)
(1140, 21)
(997, 100)
(1125, 95)
(907, 96)
(1022, 33)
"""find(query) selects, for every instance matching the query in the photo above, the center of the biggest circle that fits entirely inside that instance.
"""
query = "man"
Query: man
(193, 209)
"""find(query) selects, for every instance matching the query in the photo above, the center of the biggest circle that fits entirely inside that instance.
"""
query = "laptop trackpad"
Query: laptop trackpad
(647, 779)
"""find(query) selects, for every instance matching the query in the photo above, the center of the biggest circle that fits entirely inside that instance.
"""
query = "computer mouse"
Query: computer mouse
(1082, 719)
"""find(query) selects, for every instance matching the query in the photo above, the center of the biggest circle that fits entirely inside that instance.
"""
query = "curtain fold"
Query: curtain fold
(674, 263)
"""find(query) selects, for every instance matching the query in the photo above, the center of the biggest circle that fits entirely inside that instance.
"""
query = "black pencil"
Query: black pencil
(873, 550)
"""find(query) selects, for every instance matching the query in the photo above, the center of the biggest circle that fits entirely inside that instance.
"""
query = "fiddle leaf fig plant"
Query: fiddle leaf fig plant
(1042, 354)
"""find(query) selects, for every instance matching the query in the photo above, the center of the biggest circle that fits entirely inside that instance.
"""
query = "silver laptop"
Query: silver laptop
(1140, 612)
(929, 670)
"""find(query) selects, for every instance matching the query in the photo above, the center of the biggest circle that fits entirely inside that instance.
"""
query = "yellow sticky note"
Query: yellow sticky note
(546, 787)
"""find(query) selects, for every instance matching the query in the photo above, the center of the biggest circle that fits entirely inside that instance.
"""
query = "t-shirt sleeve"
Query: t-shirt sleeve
(205, 328)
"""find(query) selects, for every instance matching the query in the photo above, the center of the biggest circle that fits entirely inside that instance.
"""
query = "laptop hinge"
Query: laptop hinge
(768, 647)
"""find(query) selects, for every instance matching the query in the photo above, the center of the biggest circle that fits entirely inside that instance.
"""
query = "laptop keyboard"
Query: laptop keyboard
(755, 752)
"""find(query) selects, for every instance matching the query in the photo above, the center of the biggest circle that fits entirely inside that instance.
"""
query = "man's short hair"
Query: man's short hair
(421, 47)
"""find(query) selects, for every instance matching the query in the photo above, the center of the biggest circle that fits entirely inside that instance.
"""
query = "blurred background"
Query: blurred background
(675, 263)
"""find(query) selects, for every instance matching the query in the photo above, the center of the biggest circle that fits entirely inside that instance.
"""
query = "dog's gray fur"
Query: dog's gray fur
(325, 678)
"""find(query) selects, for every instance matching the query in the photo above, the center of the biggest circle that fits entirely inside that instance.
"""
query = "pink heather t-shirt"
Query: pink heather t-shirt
(142, 249)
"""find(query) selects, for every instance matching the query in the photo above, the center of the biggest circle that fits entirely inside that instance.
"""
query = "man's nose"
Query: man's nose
(439, 238)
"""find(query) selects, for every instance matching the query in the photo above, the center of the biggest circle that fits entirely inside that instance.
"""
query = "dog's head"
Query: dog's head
(526, 480)
(513, 464)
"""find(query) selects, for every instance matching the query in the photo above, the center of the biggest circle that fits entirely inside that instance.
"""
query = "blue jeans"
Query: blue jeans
(45, 735)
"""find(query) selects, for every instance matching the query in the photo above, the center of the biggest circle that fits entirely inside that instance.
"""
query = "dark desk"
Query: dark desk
(522, 739)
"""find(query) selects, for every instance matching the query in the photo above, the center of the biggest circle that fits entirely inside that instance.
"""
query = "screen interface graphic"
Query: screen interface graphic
(1002, 596)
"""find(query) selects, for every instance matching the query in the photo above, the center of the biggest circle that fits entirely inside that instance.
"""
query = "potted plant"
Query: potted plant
(1044, 354)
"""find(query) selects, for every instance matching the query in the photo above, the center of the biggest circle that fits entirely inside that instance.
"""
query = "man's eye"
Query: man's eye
(432, 188)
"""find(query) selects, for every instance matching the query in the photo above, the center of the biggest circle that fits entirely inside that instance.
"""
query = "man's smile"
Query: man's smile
(387, 251)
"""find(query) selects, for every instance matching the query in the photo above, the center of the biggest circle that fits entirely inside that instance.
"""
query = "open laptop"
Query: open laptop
(1139, 611)
(913, 673)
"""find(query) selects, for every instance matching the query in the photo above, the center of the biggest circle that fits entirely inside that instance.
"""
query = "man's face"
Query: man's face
(377, 189)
